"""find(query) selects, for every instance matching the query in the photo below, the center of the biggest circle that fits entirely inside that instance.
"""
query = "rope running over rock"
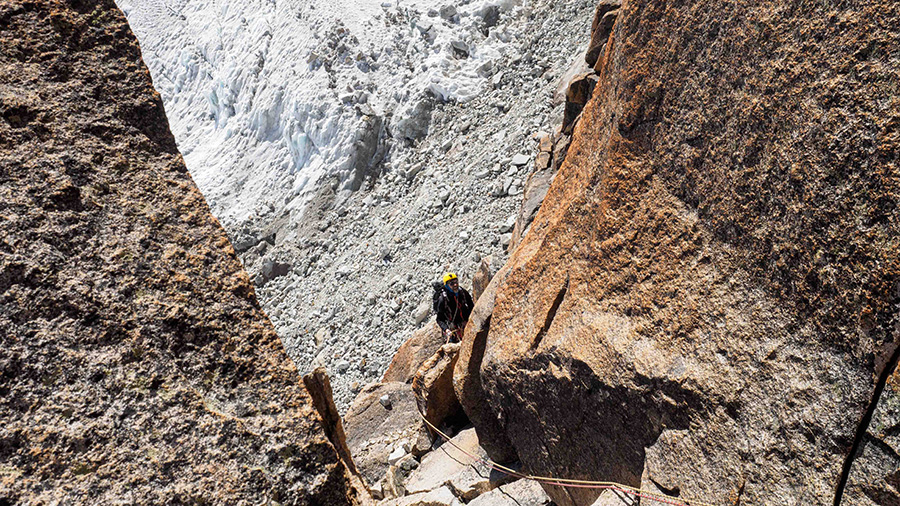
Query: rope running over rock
(561, 482)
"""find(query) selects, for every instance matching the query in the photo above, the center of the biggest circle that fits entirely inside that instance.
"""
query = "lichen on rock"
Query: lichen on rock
(136, 365)
(708, 295)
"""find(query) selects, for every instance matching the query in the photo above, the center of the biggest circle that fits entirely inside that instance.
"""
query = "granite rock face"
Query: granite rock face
(136, 365)
(708, 298)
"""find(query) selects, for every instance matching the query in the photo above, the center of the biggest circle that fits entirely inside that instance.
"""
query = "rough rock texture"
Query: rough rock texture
(319, 387)
(467, 376)
(414, 352)
(601, 27)
(375, 430)
(709, 294)
(517, 493)
(136, 366)
(875, 475)
(482, 277)
(535, 188)
(459, 470)
(439, 497)
(433, 386)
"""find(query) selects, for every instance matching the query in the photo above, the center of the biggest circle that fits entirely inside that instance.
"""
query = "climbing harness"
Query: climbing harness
(561, 482)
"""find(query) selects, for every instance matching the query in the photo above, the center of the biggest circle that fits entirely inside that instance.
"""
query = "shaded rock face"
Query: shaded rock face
(136, 365)
(433, 386)
(708, 296)
(382, 418)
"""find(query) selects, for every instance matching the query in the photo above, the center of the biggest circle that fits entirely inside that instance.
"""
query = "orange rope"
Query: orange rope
(560, 482)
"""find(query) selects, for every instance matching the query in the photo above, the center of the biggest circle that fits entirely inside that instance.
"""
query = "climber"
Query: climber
(453, 307)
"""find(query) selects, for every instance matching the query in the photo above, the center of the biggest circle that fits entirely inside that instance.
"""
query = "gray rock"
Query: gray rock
(449, 13)
(518, 493)
(520, 159)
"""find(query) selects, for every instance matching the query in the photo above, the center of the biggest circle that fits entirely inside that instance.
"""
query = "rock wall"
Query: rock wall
(136, 365)
(707, 302)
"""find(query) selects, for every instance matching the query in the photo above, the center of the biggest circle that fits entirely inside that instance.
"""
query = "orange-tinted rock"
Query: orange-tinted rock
(712, 278)
(413, 353)
(136, 365)
(467, 377)
(601, 27)
(577, 95)
(482, 278)
(433, 386)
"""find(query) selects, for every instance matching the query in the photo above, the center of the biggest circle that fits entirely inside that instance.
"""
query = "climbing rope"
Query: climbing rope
(561, 482)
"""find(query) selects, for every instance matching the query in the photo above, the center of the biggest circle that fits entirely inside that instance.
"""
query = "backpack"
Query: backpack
(436, 296)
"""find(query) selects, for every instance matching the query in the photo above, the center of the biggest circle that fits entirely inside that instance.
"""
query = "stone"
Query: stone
(322, 335)
(613, 498)
(601, 27)
(438, 497)
(374, 431)
(433, 386)
(385, 400)
(342, 366)
(414, 352)
(577, 95)
(728, 341)
(508, 224)
(518, 493)
(467, 377)
(458, 467)
(422, 311)
(396, 455)
(460, 48)
(318, 385)
(482, 277)
(520, 159)
(490, 15)
(449, 13)
(136, 365)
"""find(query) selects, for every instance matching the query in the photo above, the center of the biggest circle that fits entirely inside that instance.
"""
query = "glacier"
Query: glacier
(354, 150)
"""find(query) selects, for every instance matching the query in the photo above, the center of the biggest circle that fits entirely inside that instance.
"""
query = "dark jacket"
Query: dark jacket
(453, 310)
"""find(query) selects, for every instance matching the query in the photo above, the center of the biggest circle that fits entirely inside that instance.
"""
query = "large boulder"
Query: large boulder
(460, 465)
(423, 343)
(518, 493)
(382, 419)
(136, 365)
(708, 296)
(433, 387)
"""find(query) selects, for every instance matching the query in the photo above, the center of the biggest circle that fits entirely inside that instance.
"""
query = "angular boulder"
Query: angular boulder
(381, 419)
(460, 466)
(433, 386)
(518, 493)
(708, 297)
(604, 19)
(424, 343)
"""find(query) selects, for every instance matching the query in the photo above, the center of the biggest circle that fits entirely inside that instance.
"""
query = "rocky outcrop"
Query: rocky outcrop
(433, 387)
(467, 376)
(601, 27)
(424, 343)
(136, 364)
(707, 301)
(383, 420)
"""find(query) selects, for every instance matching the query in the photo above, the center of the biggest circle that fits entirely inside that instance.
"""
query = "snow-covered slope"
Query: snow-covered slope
(268, 98)
(355, 149)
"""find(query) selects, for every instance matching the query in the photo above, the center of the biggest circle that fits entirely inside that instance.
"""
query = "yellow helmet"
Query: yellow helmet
(449, 277)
